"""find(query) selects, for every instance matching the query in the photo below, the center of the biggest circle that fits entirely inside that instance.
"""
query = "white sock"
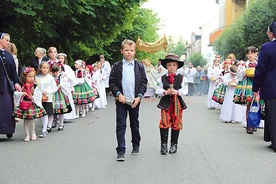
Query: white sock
(32, 126)
(50, 120)
(44, 121)
(61, 119)
(26, 127)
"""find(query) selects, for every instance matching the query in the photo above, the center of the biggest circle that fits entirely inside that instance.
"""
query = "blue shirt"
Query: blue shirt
(128, 80)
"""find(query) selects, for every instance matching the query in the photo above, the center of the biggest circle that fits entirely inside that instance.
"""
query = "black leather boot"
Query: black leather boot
(164, 140)
(173, 148)
(174, 141)
(164, 148)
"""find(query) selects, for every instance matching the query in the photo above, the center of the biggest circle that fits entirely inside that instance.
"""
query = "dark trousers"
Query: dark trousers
(121, 116)
(270, 125)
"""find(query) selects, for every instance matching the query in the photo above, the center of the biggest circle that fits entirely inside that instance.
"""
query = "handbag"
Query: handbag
(254, 115)
(24, 103)
(10, 82)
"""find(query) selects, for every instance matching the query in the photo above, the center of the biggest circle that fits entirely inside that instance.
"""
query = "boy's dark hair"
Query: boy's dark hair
(54, 68)
(251, 49)
(233, 69)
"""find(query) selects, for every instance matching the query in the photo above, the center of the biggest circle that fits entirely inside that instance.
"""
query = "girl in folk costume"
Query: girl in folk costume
(47, 84)
(243, 93)
(52, 53)
(89, 69)
(96, 81)
(62, 58)
(230, 112)
(83, 93)
(28, 103)
(61, 104)
(171, 87)
(213, 74)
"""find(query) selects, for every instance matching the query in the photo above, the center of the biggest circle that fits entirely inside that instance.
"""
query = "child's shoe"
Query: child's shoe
(33, 137)
(49, 129)
(249, 130)
(42, 135)
(60, 128)
(78, 116)
(83, 114)
(27, 138)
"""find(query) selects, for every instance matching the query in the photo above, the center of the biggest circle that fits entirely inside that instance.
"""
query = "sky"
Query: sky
(182, 17)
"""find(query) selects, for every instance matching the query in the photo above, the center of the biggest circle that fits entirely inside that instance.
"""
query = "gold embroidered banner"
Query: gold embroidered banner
(152, 47)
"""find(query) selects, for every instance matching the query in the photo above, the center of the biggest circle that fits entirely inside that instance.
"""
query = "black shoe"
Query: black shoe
(254, 129)
(54, 124)
(9, 136)
(270, 146)
(120, 157)
(249, 130)
(173, 148)
(164, 149)
(49, 129)
(60, 128)
(135, 150)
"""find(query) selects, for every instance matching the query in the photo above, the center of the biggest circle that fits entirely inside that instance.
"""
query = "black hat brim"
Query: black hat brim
(164, 62)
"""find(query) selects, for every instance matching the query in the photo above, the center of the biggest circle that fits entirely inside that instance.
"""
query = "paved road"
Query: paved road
(210, 152)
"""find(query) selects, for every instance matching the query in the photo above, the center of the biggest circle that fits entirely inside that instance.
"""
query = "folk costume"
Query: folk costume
(36, 109)
(171, 105)
(243, 92)
(231, 112)
(61, 104)
(83, 93)
(213, 74)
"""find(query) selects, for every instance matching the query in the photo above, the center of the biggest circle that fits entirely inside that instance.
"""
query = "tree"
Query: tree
(79, 28)
(249, 30)
(197, 60)
(145, 25)
(178, 47)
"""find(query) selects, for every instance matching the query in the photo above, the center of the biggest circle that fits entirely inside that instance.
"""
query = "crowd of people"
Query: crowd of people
(51, 91)
(48, 89)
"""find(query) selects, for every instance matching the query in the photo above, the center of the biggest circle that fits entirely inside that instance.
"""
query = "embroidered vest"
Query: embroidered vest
(165, 100)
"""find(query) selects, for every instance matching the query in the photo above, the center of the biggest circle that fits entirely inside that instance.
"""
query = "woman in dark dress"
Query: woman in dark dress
(7, 121)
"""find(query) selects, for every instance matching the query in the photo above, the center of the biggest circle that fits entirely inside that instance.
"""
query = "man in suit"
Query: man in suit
(39, 56)
(128, 83)
(264, 83)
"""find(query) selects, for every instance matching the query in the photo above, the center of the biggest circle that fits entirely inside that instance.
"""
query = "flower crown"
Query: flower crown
(28, 69)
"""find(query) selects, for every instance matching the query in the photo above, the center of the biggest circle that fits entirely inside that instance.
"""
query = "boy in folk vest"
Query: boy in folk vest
(170, 87)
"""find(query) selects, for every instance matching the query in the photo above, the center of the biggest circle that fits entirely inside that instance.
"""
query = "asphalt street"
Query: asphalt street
(209, 151)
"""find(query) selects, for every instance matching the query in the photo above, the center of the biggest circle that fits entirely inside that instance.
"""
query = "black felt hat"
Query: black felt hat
(171, 57)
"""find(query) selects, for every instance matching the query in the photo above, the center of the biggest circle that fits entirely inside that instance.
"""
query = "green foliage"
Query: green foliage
(145, 25)
(197, 60)
(177, 46)
(249, 30)
(80, 28)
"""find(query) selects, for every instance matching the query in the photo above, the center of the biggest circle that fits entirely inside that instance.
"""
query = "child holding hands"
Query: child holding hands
(33, 108)
(171, 87)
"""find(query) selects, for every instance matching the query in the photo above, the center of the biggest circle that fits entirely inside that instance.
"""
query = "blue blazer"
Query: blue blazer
(265, 71)
(115, 78)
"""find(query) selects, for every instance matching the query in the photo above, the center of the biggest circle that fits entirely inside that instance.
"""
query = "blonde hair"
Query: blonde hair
(128, 42)
(50, 49)
(12, 48)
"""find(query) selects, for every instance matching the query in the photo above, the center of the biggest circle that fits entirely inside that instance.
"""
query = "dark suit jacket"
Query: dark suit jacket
(265, 71)
(34, 62)
(115, 78)
(11, 70)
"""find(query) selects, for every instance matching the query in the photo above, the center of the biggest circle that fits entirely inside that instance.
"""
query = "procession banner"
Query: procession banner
(152, 47)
